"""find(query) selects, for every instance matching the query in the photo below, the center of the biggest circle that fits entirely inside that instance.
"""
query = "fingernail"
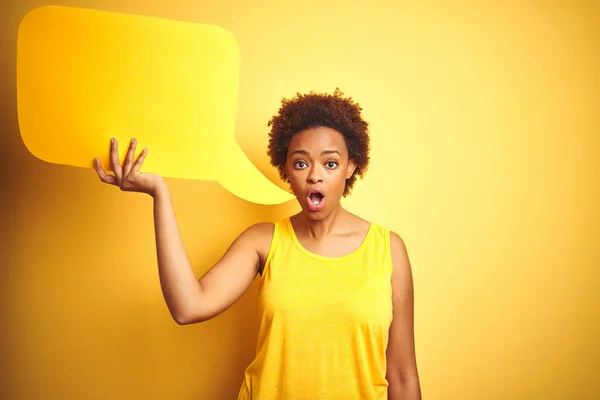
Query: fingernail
(112, 141)
(133, 141)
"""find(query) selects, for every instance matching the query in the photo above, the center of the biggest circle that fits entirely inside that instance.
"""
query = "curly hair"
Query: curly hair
(314, 110)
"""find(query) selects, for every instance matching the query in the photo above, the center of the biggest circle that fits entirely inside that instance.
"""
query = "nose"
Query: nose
(315, 175)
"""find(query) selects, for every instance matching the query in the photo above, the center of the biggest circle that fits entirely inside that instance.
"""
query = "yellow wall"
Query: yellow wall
(485, 133)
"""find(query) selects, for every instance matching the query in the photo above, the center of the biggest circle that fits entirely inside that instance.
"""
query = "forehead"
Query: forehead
(315, 140)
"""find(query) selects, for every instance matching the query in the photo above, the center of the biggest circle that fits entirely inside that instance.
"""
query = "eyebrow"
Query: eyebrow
(323, 153)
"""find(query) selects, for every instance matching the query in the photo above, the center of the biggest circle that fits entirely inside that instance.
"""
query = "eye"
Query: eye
(331, 164)
(300, 164)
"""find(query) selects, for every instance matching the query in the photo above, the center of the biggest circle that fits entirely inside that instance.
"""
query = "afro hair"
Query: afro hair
(314, 110)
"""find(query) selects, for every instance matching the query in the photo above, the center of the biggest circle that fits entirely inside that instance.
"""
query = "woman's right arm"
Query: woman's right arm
(192, 300)
(189, 299)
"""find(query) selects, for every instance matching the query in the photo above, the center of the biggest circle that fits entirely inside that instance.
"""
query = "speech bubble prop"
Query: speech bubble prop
(84, 76)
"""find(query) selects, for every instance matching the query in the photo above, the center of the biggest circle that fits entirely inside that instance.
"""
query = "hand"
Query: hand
(128, 177)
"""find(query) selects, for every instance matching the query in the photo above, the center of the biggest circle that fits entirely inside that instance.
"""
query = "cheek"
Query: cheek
(295, 181)
(339, 177)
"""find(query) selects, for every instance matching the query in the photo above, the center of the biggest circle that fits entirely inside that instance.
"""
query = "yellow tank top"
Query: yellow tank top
(324, 322)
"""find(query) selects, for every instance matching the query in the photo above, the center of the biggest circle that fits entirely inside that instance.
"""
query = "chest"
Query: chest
(299, 287)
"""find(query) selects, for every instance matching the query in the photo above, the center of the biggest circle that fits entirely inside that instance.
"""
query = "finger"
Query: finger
(114, 160)
(138, 163)
(104, 177)
(129, 157)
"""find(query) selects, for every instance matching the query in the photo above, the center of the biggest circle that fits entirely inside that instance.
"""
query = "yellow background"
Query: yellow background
(485, 131)
(171, 84)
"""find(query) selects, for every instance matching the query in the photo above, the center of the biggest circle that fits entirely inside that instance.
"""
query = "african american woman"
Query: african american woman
(336, 292)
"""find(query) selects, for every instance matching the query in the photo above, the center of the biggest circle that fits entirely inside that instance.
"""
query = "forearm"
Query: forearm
(404, 389)
(180, 287)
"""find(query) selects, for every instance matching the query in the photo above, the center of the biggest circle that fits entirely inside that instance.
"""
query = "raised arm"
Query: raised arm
(189, 299)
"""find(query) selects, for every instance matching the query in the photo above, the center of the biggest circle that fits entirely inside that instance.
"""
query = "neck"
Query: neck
(317, 228)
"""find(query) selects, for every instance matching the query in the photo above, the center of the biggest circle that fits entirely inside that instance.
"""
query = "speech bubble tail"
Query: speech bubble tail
(243, 179)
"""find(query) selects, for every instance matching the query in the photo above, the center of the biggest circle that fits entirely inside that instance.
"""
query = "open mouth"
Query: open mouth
(316, 197)
(315, 200)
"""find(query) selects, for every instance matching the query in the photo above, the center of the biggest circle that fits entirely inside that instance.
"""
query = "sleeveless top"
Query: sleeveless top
(324, 321)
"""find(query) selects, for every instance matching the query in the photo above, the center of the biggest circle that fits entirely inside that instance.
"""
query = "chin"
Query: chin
(316, 216)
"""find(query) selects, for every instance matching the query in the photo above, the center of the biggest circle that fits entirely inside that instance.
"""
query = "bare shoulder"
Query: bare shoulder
(400, 260)
(260, 231)
(396, 241)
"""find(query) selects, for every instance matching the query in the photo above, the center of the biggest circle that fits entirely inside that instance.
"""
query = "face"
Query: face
(317, 166)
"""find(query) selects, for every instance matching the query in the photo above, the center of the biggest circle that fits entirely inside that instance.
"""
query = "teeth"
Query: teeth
(315, 202)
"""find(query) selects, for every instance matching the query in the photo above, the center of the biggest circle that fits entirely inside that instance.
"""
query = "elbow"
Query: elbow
(405, 380)
(182, 316)
(182, 320)
(404, 389)
(190, 311)
(404, 384)
(188, 318)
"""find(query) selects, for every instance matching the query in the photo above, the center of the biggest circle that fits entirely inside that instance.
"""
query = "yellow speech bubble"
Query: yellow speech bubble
(84, 76)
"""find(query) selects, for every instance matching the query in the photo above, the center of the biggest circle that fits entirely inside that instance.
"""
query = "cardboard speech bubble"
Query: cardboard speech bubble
(84, 76)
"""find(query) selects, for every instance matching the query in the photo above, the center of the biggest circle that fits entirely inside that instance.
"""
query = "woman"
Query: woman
(336, 296)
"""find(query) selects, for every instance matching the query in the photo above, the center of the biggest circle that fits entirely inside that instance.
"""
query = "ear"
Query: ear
(351, 168)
